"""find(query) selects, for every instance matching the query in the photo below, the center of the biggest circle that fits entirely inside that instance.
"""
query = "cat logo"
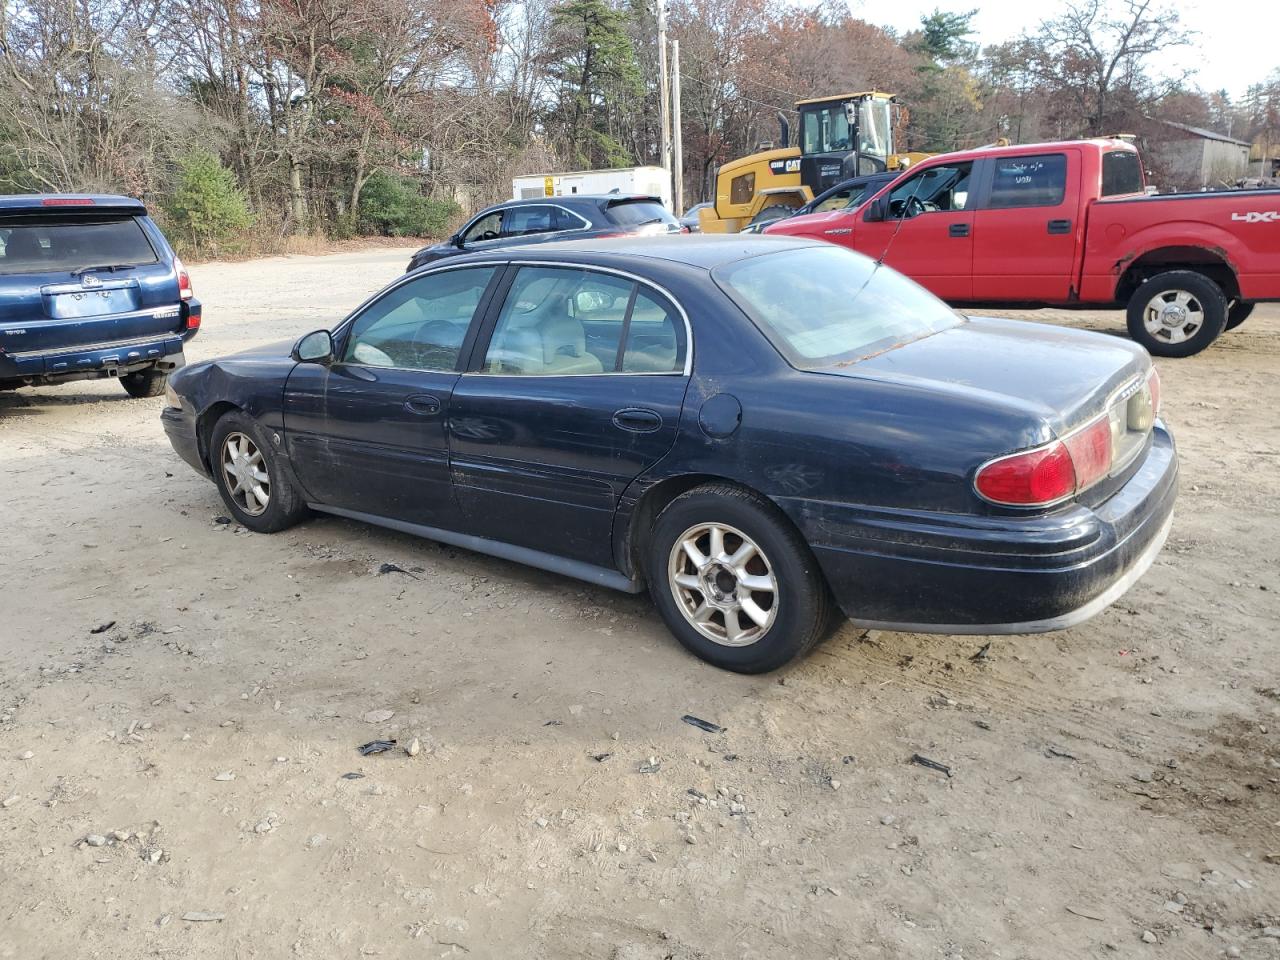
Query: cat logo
(1258, 216)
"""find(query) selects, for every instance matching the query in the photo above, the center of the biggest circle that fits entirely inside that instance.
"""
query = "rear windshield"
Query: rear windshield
(825, 305)
(73, 245)
(1121, 173)
(634, 213)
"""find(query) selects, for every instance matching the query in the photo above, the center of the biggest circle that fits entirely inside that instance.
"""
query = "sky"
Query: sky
(1231, 52)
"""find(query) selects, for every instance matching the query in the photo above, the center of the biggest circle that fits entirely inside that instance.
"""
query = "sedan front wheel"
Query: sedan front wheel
(735, 582)
(253, 483)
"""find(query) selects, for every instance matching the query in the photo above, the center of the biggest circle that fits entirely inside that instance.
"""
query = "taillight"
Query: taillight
(193, 320)
(1034, 478)
(1153, 385)
(184, 279)
(1046, 475)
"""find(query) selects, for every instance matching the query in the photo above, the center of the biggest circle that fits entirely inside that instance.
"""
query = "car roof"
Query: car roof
(592, 199)
(706, 251)
(70, 203)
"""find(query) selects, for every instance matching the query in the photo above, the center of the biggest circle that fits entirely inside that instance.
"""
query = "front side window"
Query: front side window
(419, 325)
(562, 321)
(937, 189)
(1039, 181)
(826, 305)
(488, 227)
(56, 247)
(825, 130)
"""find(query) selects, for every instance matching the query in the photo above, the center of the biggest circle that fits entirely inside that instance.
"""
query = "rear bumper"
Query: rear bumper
(934, 573)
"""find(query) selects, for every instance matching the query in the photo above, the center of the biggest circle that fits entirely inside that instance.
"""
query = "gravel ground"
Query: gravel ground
(180, 703)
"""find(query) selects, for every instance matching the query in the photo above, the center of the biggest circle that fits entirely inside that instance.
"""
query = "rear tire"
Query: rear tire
(254, 485)
(1177, 313)
(144, 383)
(755, 599)
(1238, 313)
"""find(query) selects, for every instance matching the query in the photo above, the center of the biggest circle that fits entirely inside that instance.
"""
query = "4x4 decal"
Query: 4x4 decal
(1255, 216)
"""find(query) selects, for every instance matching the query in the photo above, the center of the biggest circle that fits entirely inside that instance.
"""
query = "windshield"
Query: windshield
(824, 305)
(73, 245)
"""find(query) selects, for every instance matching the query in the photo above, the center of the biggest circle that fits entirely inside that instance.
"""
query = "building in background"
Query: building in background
(1193, 158)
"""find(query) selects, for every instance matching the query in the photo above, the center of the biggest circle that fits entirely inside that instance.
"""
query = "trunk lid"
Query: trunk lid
(1063, 377)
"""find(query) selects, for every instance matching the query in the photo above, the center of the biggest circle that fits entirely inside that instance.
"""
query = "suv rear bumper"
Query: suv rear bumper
(931, 573)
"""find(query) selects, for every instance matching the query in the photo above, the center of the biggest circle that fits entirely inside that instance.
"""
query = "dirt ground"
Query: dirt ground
(201, 690)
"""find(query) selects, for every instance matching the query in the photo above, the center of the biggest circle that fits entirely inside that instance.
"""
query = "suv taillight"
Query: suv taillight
(184, 279)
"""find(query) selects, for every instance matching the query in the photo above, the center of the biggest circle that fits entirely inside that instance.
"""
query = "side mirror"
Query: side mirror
(315, 347)
(456, 240)
(876, 208)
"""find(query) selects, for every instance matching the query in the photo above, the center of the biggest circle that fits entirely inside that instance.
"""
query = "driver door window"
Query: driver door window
(488, 227)
(937, 189)
(420, 325)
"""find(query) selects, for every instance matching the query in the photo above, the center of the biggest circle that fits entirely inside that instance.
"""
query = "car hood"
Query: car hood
(1063, 377)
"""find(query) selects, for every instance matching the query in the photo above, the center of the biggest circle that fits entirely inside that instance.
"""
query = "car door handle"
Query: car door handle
(637, 420)
(958, 230)
(423, 404)
(1059, 226)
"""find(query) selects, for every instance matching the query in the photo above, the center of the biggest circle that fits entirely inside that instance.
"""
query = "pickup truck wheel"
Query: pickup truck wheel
(144, 383)
(1238, 313)
(735, 582)
(253, 484)
(1177, 314)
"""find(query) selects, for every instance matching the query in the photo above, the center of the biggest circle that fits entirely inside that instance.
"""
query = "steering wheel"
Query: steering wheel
(913, 207)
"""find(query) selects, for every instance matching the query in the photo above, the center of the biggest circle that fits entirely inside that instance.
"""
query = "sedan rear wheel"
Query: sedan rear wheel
(255, 484)
(734, 580)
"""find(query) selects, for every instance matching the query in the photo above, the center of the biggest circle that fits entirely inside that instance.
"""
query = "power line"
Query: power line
(737, 96)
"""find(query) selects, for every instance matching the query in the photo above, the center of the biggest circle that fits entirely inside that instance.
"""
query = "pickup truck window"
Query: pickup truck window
(1036, 181)
(1121, 173)
(936, 189)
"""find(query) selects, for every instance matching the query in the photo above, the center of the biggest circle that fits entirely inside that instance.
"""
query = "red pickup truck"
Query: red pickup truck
(1070, 224)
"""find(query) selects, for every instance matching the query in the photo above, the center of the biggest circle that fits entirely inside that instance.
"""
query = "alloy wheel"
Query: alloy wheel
(723, 584)
(1173, 316)
(245, 473)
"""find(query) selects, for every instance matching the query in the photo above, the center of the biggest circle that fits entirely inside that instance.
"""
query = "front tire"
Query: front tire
(1238, 313)
(734, 581)
(1177, 313)
(253, 483)
(144, 383)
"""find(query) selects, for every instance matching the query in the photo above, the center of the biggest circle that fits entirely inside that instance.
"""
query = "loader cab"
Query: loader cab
(844, 136)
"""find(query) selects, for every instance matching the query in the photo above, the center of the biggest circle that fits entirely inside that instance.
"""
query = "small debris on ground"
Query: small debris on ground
(375, 746)
(393, 568)
(414, 747)
(103, 627)
(931, 764)
(701, 724)
(197, 916)
(352, 776)
(652, 765)
(1052, 751)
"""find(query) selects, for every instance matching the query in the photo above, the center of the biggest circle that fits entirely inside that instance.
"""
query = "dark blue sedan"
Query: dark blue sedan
(765, 433)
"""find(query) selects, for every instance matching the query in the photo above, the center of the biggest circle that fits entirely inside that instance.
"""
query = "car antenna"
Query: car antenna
(889, 243)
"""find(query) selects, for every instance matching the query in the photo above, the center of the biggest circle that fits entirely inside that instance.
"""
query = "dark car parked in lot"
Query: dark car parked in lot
(518, 223)
(845, 195)
(89, 289)
(760, 431)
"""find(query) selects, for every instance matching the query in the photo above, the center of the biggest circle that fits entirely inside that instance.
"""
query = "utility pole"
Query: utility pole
(664, 96)
(677, 153)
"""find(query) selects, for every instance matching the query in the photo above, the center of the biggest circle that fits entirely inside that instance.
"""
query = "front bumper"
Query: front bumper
(180, 426)
(935, 573)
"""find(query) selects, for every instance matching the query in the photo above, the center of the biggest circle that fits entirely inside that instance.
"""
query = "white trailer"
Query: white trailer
(650, 181)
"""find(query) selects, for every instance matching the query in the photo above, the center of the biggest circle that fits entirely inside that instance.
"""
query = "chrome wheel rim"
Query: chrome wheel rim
(245, 471)
(723, 584)
(1174, 316)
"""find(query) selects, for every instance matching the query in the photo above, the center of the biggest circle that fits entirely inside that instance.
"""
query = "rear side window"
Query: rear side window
(1039, 181)
(73, 245)
(634, 213)
(1121, 173)
(742, 188)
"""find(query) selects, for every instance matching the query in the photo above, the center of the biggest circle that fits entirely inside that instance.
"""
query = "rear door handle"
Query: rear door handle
(1059, 226)
(958, 230)
(637, 420)
(423, 404)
